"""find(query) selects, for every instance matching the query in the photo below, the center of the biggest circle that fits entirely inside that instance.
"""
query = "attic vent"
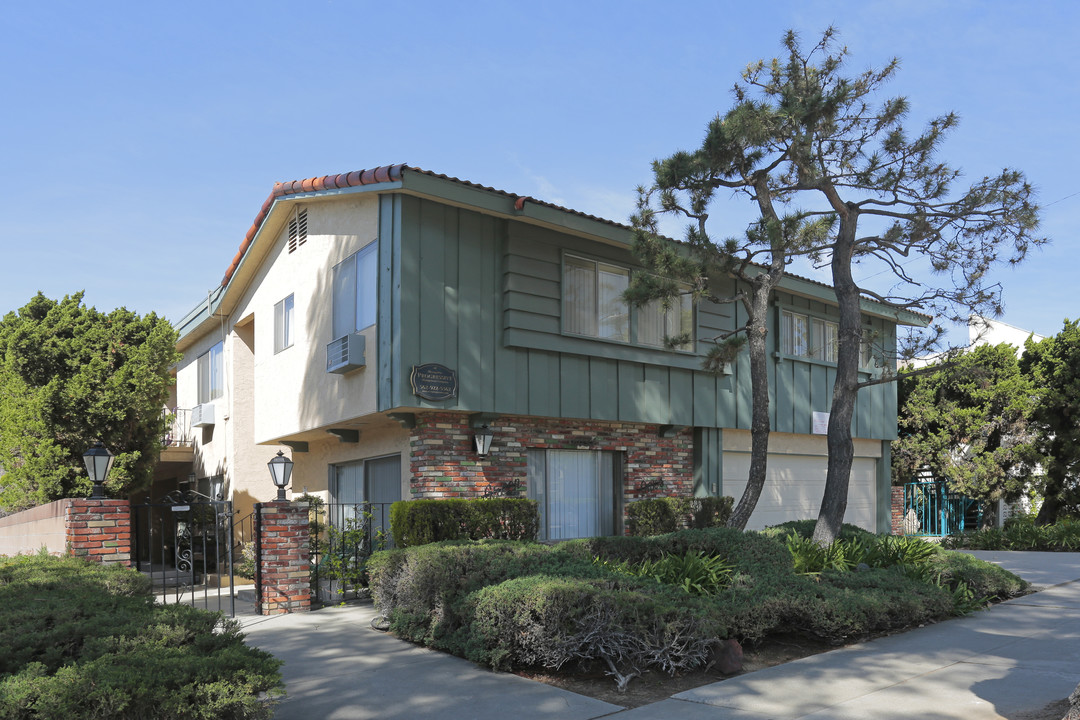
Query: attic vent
(297, 229)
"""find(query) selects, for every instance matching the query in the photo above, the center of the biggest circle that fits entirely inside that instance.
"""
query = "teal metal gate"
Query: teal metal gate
(931, 509)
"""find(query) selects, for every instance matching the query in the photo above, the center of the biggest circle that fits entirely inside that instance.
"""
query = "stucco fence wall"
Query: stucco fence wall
(29, 531)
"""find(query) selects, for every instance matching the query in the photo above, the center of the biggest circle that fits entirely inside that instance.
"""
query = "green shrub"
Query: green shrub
(512, 604)
(86, 641)
(550, 621)
(657, 516)
(419, 522)
(654, 516)
(1021, 534)
(805, 528)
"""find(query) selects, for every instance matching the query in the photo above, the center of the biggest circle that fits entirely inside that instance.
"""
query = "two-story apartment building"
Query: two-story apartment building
(372, 323)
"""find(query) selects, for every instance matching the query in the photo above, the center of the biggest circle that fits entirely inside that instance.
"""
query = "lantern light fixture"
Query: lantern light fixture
(280, 471)
(99, 462)
(482, 440)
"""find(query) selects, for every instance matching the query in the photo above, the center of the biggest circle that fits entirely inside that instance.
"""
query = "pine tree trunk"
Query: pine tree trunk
(757, 306)
(845, 388)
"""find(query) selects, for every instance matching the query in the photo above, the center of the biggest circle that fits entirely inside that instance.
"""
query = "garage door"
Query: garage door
(794, 487)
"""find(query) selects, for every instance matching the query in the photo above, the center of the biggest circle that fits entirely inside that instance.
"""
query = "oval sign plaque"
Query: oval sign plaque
(433, 381)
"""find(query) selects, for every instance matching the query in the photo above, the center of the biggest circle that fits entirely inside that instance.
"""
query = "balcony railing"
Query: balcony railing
(178, 431)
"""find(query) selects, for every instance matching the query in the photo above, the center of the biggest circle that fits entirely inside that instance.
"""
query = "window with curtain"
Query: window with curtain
(654, 323)
(355, 288)
(283, 324)
(810, 337)
(593, 303)
(578, 492)
(211, 372)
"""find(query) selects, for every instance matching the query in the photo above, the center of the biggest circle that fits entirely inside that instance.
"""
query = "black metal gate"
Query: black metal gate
(184, 544)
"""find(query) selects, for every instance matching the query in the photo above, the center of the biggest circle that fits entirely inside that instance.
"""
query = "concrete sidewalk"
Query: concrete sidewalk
(1000, 663)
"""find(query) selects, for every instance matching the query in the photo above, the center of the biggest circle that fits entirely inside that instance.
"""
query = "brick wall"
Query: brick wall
(444, 463)
(99, 530)
(282, 557)
(897, 507)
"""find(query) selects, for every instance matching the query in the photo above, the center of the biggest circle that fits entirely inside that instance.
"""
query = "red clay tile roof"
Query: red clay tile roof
(386, 173)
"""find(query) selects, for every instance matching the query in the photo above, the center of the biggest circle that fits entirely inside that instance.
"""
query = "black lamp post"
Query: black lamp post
(280, 471)
(482, 439)
(98, 463)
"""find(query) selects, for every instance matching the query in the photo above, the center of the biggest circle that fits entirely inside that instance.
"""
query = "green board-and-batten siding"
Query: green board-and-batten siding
(481, 294)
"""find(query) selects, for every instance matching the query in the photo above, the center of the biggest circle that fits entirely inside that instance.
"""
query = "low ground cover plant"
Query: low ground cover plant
(1021, 534)
(633, 603)
(83, 640)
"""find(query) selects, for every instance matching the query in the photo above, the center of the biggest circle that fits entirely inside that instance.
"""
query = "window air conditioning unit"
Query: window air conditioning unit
(202, 415)
(346, 354)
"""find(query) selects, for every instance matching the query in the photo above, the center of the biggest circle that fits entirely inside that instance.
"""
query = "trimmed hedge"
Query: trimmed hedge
(419, 522)
(657, 516)
(84, 640)
(513, 604)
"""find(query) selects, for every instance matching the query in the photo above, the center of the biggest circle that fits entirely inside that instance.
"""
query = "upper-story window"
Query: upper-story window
(655, 325)
(808, 336)
(593, 299)
(283, 324)
(355, 291)
(593, 305)
(211, 370)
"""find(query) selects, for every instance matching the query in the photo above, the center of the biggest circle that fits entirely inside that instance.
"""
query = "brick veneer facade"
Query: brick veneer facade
(99, 530)
(282, 557)
(444, 463)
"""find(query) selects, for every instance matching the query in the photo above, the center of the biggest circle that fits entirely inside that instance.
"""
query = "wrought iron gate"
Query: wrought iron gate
(183, 543)
(930, 508)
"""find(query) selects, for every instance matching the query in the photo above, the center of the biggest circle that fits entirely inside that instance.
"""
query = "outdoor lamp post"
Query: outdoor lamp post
(482, 439)
(98, 463)
(280, 471)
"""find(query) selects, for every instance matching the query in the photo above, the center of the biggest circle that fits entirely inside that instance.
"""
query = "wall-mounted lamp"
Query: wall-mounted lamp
(98, 463)
(482, 440)
(280, 472)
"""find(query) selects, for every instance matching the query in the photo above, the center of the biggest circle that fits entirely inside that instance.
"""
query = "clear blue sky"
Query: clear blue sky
(140, 139)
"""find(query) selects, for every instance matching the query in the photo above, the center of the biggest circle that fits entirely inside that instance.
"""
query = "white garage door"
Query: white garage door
(794, 487)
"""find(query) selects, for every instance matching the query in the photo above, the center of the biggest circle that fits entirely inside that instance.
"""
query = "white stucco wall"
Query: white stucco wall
(292, 391)
(271, 396)
(795, 481)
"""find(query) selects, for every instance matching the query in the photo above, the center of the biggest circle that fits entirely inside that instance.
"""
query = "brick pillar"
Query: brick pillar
(282, 559)
(99, 530)
(897, 509)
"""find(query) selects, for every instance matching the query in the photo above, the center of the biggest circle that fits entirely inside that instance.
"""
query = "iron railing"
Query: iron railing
(178, 431)
(183, 543)
(931, 509)
(343, 536)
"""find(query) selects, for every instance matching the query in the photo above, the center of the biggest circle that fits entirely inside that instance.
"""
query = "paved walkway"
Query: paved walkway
(1000, 663)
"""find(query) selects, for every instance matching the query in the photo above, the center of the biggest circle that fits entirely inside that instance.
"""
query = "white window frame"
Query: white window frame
(355, 291)
(210, 371)
(808, 337)
(284, 321)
